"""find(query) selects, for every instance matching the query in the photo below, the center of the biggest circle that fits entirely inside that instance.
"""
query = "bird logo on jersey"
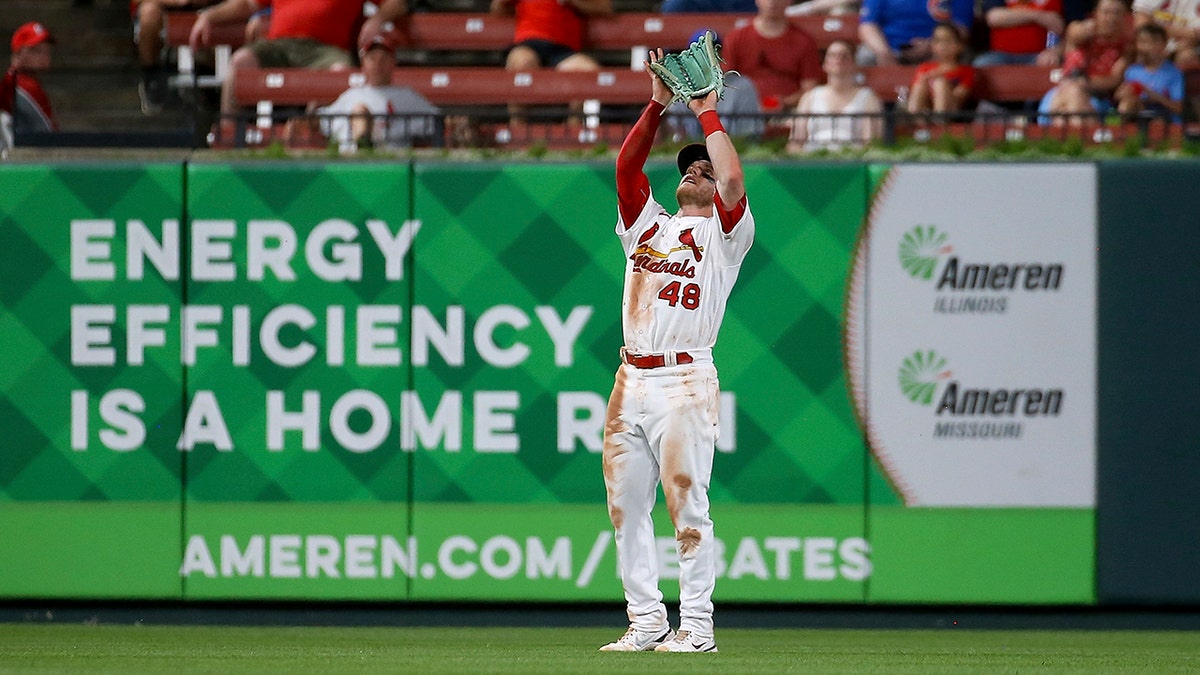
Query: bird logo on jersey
(685, 237)
(646, 258)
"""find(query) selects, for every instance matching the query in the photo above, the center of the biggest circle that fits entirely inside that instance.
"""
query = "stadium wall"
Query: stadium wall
(387, 381)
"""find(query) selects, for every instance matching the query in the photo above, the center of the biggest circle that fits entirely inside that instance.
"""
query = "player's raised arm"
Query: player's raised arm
(633, 187)
(727, 166)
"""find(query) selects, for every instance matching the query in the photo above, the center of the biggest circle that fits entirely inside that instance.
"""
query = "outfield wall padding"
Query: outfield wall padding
(387, 381)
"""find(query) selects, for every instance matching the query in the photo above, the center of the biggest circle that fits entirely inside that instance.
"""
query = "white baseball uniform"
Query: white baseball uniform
(662, 414)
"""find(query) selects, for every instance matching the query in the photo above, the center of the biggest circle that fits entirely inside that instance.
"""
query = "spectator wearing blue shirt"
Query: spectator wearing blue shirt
(898, 31)
(1153, 84)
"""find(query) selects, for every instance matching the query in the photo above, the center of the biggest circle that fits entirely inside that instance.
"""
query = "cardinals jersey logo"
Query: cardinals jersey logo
(645, 248)
(649, 234)
(646, 258)
(686, 239)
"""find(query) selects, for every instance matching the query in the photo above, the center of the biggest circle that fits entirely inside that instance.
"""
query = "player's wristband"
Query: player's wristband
(656, 107)
(710, 123)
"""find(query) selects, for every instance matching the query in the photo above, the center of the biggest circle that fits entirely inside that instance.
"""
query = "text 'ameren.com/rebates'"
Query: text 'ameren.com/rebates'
(502, 557)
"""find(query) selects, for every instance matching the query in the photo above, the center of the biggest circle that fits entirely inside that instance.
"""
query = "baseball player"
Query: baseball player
(662, 414)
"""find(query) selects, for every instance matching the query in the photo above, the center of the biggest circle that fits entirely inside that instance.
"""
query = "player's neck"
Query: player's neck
(692, 210)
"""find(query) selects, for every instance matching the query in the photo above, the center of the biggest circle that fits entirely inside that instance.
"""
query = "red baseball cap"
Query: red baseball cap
(30, 34)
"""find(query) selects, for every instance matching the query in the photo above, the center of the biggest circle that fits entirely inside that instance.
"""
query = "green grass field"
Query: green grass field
(39, 648)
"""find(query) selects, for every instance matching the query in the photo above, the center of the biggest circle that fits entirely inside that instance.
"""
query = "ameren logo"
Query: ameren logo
(966, 412)
(970, 287)
(501, 557)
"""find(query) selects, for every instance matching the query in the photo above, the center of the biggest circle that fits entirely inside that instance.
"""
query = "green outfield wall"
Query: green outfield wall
(387, 381)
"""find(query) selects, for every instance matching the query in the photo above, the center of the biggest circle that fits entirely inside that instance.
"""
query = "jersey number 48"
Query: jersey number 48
(675, 293)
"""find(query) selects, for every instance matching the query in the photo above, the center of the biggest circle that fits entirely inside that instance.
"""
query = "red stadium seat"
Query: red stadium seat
(448, 86)
(467, 32)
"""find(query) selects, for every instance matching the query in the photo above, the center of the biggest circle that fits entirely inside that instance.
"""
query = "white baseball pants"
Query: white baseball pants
(662, 425)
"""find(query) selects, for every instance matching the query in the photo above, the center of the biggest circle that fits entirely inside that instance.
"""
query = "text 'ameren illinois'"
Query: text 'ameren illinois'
(999, 276)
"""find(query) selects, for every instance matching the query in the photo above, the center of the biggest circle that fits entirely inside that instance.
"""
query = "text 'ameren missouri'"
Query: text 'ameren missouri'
(1000, 402)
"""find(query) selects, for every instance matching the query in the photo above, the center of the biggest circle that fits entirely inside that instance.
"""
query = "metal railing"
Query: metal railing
(553, 129)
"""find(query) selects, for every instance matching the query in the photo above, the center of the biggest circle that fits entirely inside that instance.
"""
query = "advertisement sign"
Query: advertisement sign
(365, 356)
(388, 382)
(972, 342)
(492, 552)
(89, 472)
(295, 333)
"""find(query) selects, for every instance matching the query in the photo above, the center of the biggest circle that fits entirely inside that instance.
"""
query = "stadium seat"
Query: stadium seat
(632, 32)
(998, 84)
(447, 86)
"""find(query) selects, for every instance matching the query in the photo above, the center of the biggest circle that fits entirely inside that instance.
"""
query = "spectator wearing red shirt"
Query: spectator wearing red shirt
(21, 94)
(1023, 32)
(549, 33)
(779, 57)
(1097, 51)
(317, 34)
(942, 84)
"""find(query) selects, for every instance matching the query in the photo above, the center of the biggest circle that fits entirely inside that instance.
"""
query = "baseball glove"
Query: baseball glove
(693, 72)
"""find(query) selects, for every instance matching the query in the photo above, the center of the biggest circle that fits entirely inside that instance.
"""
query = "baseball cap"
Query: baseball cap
(381, 41)
(30, 34)
(689, 154)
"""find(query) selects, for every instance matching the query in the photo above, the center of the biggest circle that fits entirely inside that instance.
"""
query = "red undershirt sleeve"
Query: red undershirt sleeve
(729, 217)
(633, 187)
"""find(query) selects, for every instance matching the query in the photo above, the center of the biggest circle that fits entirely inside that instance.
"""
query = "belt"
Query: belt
(647, 361)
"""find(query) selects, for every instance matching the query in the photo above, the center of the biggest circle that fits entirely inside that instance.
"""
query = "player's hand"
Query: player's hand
(700, 105)
(658, 89)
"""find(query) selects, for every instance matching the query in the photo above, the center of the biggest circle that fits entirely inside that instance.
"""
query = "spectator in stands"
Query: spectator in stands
(379, 114)
(1023, 32)
(148, 25)
(21, 95)
(316, 34)
(898, 31)
(706, 6)
(739, 107)
(1097, 52)
(780, 57)
(1181, 19)
(840, 112)
(1153, 84)
(549, 33)
(944, 83)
